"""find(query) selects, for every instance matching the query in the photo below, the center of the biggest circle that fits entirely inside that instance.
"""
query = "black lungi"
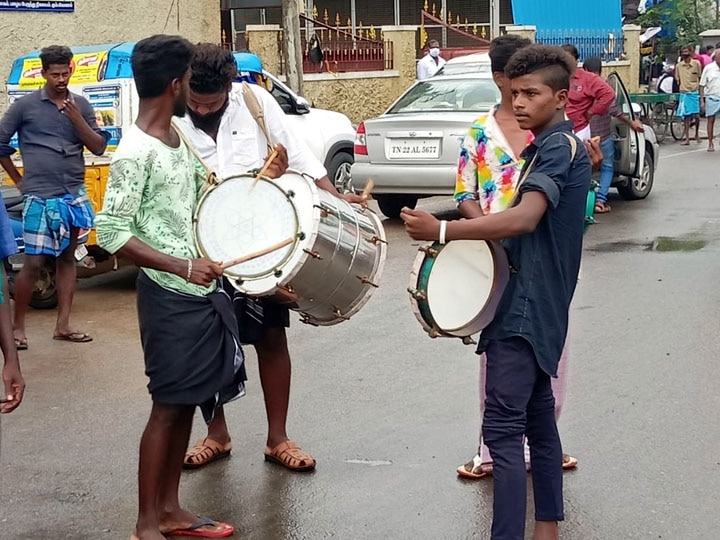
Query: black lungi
(256, 315)
(191, 346)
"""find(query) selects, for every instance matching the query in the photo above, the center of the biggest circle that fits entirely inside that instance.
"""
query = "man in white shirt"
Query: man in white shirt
(229, 140)
(431, 63)
(710, 96)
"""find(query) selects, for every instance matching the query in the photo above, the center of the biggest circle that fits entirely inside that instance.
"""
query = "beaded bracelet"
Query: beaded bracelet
(189, 270)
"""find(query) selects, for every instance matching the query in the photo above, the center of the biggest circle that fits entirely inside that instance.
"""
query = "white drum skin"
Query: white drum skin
(338, 250)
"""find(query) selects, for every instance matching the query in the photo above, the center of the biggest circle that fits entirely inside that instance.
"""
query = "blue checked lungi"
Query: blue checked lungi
(8, 245)
(47, 222)
(689, 104)
(712, 105)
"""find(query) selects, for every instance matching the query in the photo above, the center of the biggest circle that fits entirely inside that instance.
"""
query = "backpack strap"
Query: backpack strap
(211, 176)
(573, 152)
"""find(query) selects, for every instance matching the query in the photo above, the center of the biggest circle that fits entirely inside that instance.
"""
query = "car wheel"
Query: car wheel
(339, 171)
(391, 205)
(44, 296)
(639, 188)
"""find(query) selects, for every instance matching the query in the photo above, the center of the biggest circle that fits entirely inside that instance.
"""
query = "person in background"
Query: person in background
(687, 73)
(601, 126)
(589, 95)
(666, 82)
(53, 127)
(703, 56)
(12, 379)
(710, 97)
(432, 62)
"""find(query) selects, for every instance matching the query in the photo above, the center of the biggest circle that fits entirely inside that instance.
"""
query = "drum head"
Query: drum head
(236, 218)
(460, 283)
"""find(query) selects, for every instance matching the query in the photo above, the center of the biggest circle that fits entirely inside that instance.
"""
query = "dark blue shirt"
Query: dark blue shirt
(51, 149)
(545, 262)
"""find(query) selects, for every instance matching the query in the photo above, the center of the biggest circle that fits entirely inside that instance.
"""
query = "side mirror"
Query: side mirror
(302, 106)
(637, 109)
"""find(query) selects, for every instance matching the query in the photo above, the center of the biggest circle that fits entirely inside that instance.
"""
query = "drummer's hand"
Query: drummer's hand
(204, 272)
(286, 297)
(595, 153)
(420, 225)
(279, 165)
(353, 198)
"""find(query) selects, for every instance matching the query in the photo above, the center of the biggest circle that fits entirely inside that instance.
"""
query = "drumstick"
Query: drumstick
(265, 167)
(251, 256)
(368, 188)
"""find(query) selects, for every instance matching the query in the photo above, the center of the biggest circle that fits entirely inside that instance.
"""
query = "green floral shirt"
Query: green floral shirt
(152, 193)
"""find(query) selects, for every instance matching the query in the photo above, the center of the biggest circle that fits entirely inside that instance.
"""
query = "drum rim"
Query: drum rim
(500, 269)
(309, 238)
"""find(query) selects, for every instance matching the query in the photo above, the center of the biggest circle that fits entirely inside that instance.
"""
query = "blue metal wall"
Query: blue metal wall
(562, 14)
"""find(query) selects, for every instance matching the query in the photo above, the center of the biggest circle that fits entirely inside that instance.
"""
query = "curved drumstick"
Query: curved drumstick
(255, 255)
(368, 188)
(256, 111)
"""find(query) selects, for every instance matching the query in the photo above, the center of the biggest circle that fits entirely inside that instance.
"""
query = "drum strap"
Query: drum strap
(573, 152)
(211, 176)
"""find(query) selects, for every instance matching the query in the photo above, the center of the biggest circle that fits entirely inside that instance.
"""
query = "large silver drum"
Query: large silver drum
(334, 258)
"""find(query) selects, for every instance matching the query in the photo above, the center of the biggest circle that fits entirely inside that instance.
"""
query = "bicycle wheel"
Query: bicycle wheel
(677, 126)
(659, 121)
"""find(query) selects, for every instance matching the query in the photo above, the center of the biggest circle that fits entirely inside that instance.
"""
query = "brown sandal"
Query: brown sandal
(205, 451)
(289, 455)
(474, 469)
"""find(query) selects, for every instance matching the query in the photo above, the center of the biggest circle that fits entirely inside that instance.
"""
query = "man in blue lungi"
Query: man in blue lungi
(687, 73)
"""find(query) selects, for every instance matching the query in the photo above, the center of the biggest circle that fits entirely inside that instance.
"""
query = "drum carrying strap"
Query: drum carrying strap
(211, 176)
(573, 152)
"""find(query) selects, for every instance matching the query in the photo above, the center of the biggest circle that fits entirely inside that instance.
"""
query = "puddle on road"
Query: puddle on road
(666, 243)
(661, 244)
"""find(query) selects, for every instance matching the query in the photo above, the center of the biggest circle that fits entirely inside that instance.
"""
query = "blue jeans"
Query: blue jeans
(607, 169)
(520, 402)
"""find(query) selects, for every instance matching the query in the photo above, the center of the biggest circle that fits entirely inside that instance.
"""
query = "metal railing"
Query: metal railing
(342, 50)
(607, 44)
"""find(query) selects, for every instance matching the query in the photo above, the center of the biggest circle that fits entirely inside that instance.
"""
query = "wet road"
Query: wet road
(389, 413)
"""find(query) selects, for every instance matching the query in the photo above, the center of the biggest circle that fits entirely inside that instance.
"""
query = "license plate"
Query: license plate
(412, 148)
(80, 252)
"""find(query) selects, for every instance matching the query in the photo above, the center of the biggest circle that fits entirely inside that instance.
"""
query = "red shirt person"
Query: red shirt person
(589, 96)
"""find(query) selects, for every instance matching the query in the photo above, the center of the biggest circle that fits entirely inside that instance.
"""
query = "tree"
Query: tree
(683, 20)
(292, 49)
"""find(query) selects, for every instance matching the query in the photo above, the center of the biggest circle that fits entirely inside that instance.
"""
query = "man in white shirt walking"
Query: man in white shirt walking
(431, 63)
(710, 96)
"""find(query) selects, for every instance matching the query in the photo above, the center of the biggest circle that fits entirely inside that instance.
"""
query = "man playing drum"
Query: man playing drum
(187, 325)
(543, 232)
(227, 137)
(488, 172)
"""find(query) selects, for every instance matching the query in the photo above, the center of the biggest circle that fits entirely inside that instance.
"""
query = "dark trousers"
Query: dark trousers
(520, 402)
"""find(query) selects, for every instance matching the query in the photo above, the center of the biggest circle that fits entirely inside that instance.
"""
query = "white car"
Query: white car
(329, 134)
(469, 63)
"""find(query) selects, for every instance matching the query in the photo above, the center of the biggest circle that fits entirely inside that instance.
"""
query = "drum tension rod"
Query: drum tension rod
(366, 281)
(339, 314)
(314, 254)
(417, 295)
(429, 250)
(290, 194)
(375, 240)
(277, 272)
(301, 235)
(306, 320)
(324, 211)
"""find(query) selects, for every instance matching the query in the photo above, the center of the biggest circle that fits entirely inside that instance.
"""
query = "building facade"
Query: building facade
(93, 22)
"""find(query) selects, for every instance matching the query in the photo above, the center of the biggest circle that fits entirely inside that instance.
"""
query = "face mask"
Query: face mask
(434, 52)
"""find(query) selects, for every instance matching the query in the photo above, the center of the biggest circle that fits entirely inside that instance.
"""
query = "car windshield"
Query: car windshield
(462, 68)
(442, 95)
